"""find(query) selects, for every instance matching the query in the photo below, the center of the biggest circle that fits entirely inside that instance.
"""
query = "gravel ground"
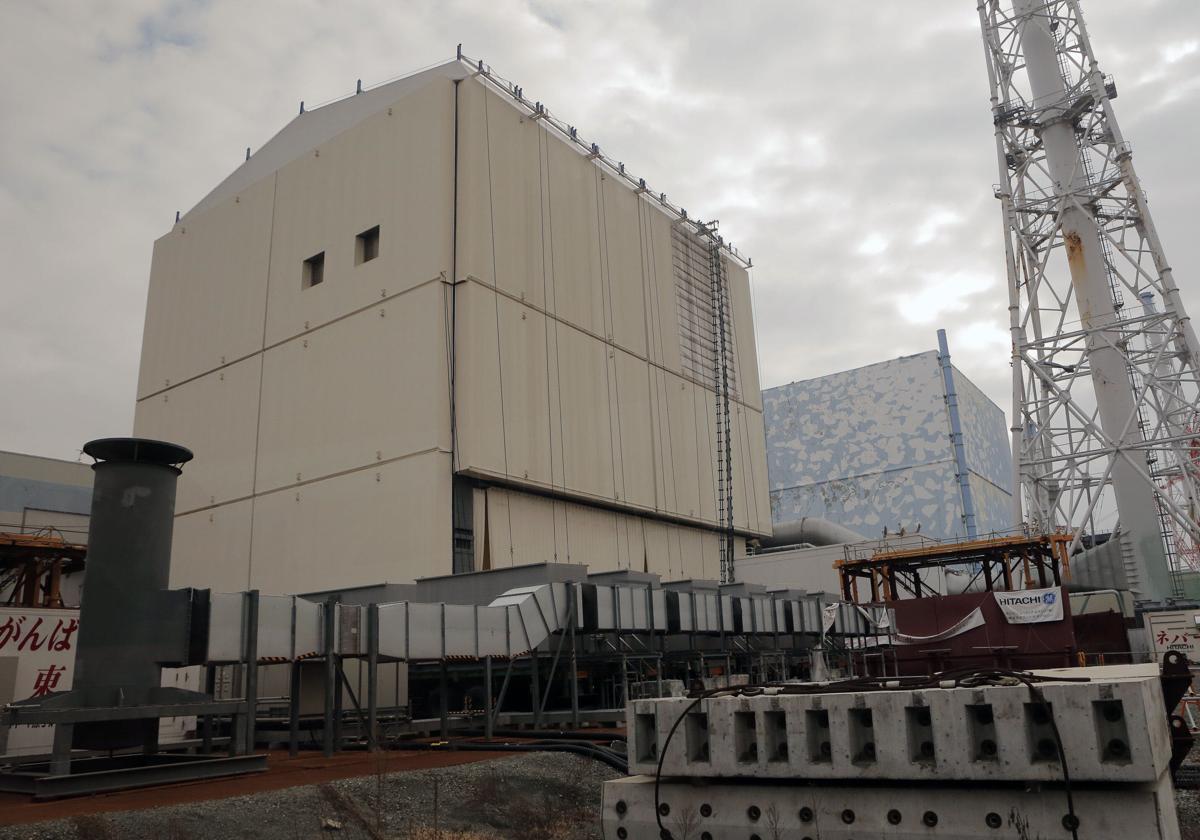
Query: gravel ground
(1188, 803)
(540, 796)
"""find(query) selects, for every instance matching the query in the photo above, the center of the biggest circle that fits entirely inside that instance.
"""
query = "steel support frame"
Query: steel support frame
(102, 775)
(1105, 377)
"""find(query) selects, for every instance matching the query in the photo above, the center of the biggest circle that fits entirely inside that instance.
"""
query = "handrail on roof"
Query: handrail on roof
(538, 111)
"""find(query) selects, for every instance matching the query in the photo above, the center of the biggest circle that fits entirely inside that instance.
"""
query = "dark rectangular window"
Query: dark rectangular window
(366, 246)
(314, 271)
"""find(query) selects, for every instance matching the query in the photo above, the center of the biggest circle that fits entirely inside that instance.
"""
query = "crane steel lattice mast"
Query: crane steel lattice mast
(1105, 379)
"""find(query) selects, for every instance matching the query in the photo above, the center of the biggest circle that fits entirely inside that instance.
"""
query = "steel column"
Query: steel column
(373, 677)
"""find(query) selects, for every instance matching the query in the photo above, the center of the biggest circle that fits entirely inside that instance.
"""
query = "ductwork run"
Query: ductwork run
(810, 529)
(522, 619)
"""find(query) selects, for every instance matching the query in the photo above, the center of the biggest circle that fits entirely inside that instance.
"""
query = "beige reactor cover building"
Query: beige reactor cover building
(427, 329)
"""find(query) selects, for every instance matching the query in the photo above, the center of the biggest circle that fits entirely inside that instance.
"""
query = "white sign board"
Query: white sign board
(1031, 606)
(41, 645)
(37, 646)
(1175, 630)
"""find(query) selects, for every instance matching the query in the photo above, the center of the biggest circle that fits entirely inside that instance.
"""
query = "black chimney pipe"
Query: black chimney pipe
(122, 622)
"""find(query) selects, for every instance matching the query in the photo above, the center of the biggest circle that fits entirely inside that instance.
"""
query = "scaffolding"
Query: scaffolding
(1002, 563)
(32, 566)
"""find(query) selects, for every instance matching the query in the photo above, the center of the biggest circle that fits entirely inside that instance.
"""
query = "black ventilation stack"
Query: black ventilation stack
(131, 626)
(128, 623)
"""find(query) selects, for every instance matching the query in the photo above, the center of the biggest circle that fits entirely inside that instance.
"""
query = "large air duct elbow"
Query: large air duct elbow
(810, 529)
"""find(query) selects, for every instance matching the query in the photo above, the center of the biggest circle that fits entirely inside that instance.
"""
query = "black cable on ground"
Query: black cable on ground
(571, 734)
(613, 759)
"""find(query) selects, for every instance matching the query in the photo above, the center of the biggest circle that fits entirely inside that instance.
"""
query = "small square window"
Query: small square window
(314, 271)
(366, 246)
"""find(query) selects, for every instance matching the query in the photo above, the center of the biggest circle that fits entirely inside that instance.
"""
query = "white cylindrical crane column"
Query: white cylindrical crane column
(1147, 573)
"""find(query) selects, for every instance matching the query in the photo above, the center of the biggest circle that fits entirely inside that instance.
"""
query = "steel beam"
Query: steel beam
(101, 775)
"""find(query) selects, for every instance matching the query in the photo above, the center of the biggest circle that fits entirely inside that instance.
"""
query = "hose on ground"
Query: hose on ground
(610, 757)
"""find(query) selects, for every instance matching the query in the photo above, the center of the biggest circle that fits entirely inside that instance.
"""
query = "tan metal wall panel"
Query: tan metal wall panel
(681, 445)
(655, 536)
(684, 432)
(523, 528)
(392, 520)
(575, 239)
(394, 170)
(498, 534)
(527, 415)
(211, 549)
(660, 293)
(592, 536)
(661, 424)
(631, 543)
(207, 290)
(526, 196)
(691, 550)
(501, 197)
(745, 351)
(368, 388)
(473, 255)
(757, 457)
(705, 415)
(744, 504)
(480, 435)
(631, 377)
(479, 527)
(623, 267)
(586, 423)
(508, 423)
(215, 416)
(710, 553)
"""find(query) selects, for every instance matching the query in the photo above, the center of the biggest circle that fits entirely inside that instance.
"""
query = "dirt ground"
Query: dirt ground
(532, 796)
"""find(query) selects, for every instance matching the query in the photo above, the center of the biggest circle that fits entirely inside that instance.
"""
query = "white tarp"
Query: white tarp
(1031, 606)
(970, 621)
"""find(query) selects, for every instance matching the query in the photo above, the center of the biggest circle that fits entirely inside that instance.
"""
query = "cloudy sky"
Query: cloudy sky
(845, 146)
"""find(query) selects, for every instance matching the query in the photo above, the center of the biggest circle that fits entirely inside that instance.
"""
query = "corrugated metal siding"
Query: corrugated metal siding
(526, 529)
(571, 332)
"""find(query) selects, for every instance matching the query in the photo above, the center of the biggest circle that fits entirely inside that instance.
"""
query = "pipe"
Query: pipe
(612, 759)
(810, 529)
(551, 734)
(121, 626)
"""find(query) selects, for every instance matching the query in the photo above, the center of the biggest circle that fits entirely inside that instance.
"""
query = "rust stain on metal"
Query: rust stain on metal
(1074, 250)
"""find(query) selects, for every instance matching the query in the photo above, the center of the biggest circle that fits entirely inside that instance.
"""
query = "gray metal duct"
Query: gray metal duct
(521, 620)
(1101, 567)
(810, 529)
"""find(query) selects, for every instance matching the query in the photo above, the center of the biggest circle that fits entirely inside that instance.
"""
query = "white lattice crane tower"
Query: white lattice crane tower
(1105, 379)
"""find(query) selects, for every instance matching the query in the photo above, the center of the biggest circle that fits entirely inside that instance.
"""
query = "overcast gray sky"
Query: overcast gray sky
(845, 146)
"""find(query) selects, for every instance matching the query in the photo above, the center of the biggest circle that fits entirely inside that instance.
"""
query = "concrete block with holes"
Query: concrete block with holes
(1113, 729)
(712, 810)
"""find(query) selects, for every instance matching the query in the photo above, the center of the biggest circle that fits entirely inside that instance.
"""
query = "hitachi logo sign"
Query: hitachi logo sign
(1022, 600)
